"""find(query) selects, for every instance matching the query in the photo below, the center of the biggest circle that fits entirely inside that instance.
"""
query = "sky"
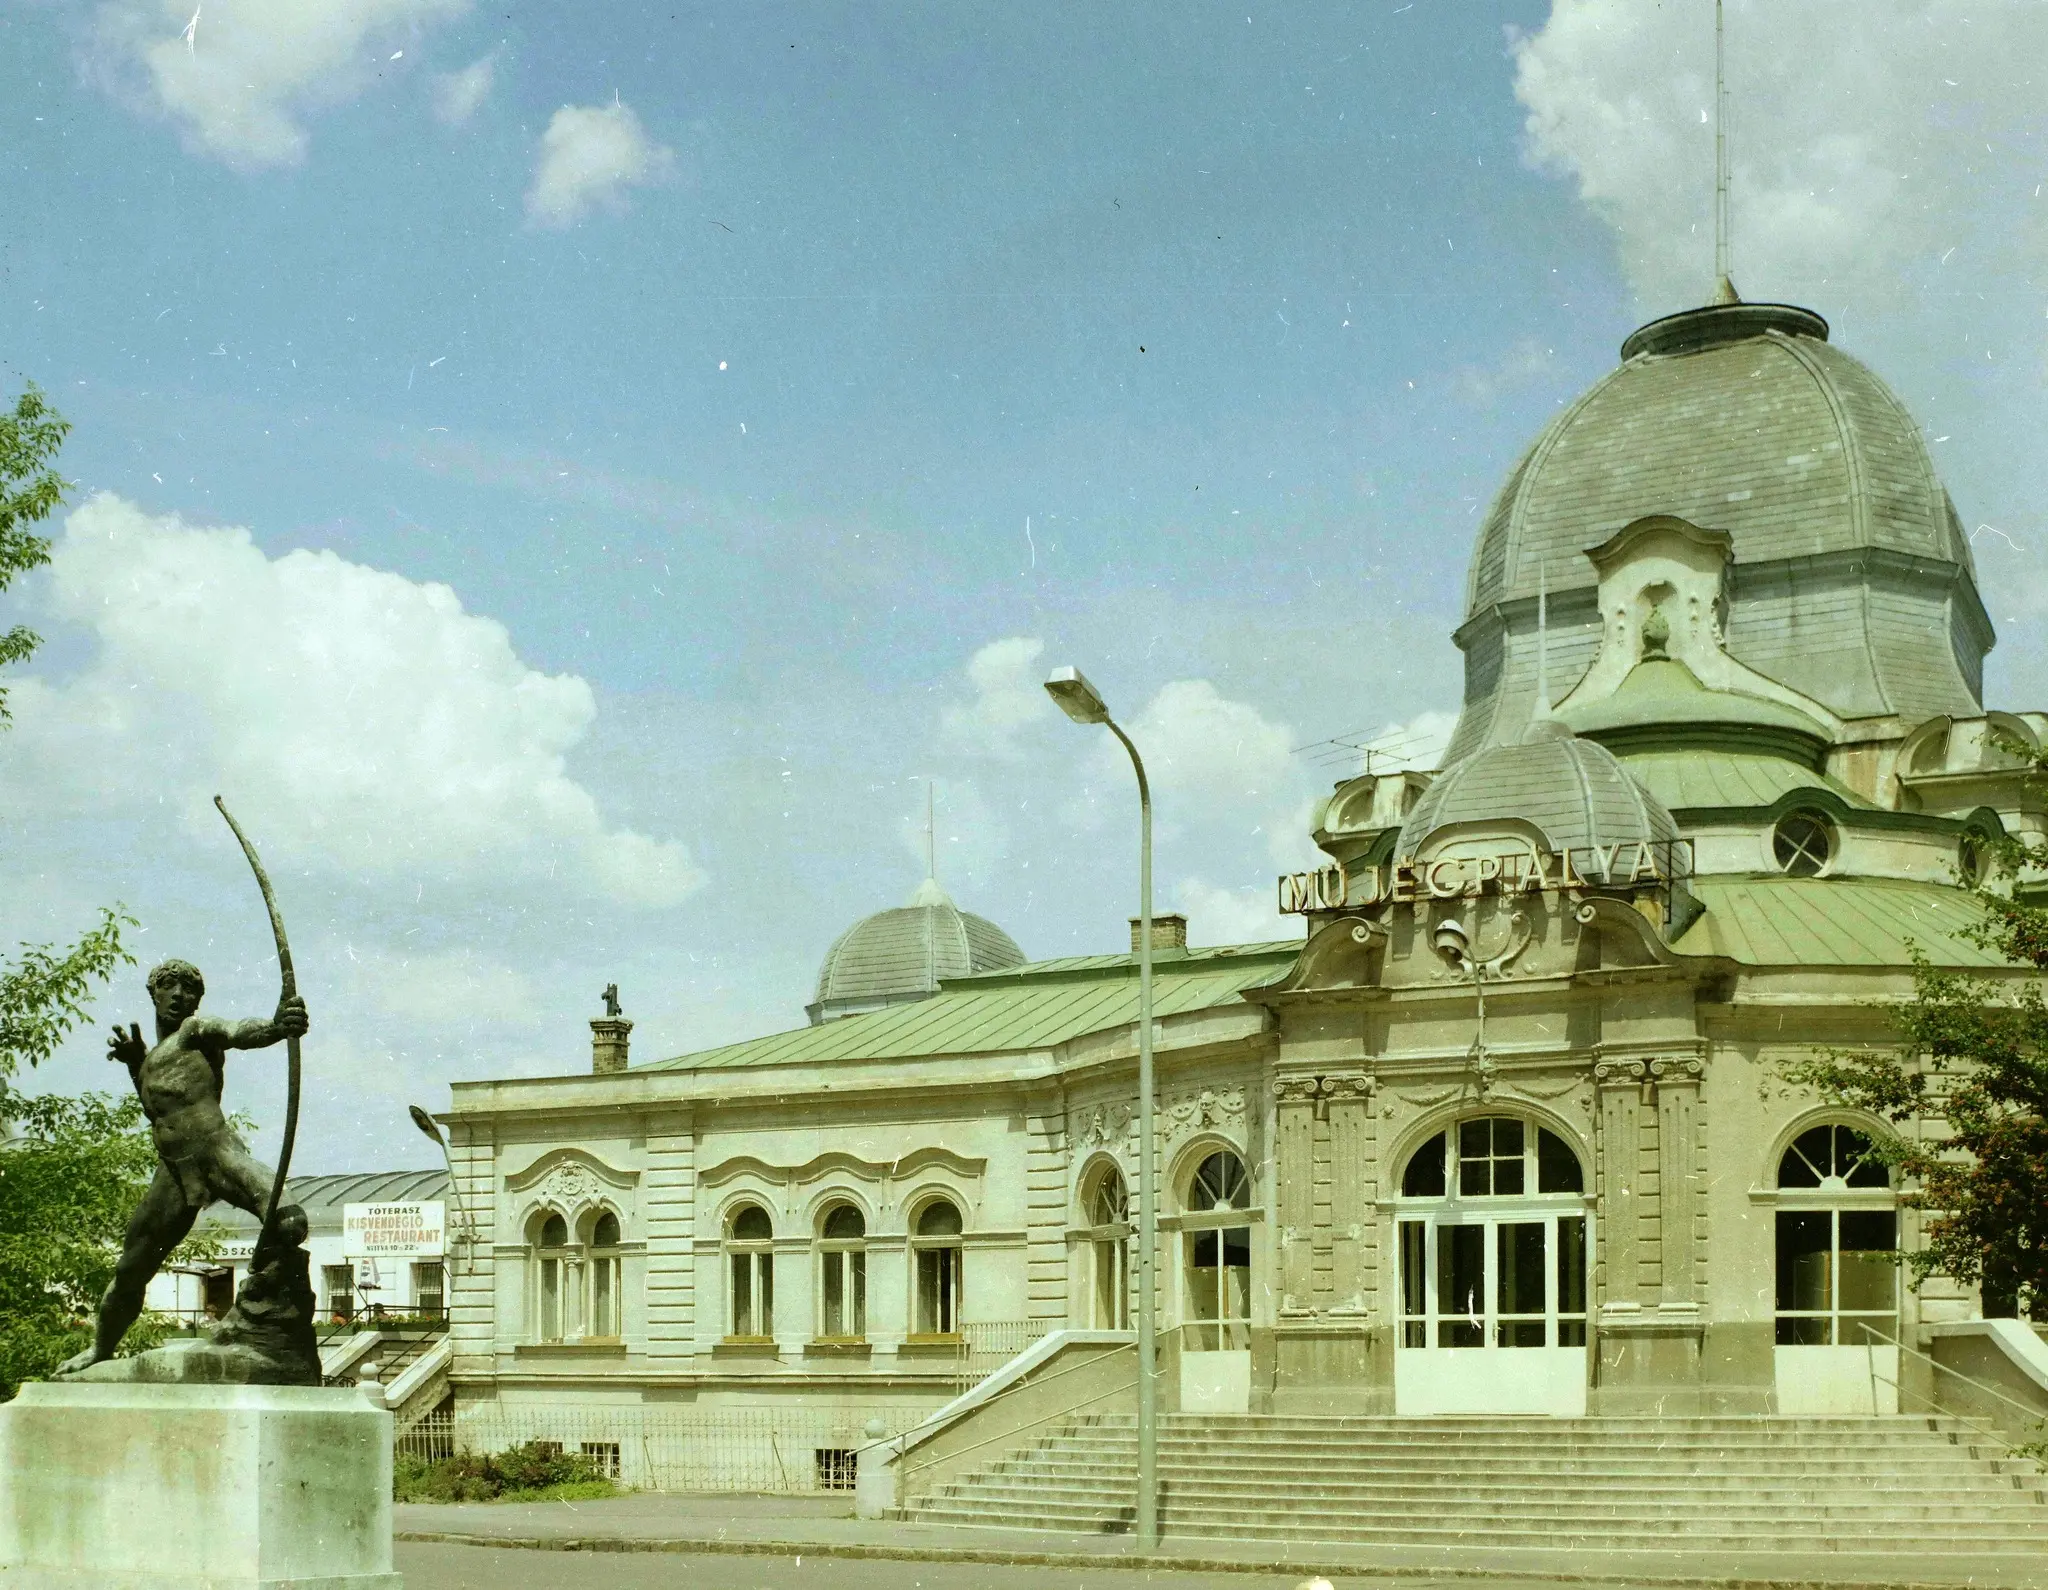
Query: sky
(571, 478)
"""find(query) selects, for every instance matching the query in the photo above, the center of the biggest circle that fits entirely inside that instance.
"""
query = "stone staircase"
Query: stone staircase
(1759, 1485)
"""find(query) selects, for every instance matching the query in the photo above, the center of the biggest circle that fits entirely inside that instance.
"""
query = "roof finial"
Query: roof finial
(931, 855)
(1724, 285)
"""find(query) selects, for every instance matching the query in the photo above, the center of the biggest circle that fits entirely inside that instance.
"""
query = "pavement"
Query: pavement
(822, 1528)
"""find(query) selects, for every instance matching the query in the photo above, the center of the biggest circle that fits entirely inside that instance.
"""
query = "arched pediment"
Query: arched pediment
(570, 1174)
(836, 1163)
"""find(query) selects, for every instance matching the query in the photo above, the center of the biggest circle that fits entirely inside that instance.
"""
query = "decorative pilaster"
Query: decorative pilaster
(472, 1266)
(1046, 1213)
(1620, 1187)
(671, 1216)
(1354, 1188)
(1678, 1105)
(1294, 1108)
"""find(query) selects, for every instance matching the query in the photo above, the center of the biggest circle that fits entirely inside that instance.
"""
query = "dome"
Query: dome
(1851, 576)
(896, 956)
(1662, 705)
(1573, 790)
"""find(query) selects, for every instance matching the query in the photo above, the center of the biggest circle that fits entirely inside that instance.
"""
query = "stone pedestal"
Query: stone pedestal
(191, 1487)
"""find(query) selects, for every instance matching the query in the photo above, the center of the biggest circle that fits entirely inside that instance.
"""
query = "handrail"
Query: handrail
(1970, 1380)
(1006, 1435)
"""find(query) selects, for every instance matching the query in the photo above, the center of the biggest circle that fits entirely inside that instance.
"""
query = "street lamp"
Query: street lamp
(1079, 700)
(427, 1124)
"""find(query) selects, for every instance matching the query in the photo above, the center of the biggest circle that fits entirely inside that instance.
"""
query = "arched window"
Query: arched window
(843, 1274)
(1838, 1239)
(1218, 1247)
(750, 1257)
(605, 1272)
(1494, 1251)
(558, 1274)
(1106, 1208)
(936, 1245)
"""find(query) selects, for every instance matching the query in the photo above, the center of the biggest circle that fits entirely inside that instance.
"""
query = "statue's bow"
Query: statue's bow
(291, 988)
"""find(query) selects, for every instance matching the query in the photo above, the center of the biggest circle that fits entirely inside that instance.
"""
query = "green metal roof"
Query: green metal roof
(1774, 921)
(1027, 1007)
(1690, 779)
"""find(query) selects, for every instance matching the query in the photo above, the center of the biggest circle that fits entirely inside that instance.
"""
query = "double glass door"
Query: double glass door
(1493, 1313)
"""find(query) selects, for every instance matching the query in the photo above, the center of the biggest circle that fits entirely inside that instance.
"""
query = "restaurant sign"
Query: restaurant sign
(394, 1231)
(1631, 864)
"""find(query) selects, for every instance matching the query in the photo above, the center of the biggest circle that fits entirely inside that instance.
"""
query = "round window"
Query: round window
(1973, 859)
(1804, 843)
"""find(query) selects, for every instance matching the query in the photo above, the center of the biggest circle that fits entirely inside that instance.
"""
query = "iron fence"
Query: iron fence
(656, 1448)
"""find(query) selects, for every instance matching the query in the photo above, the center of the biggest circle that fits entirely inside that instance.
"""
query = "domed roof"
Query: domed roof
(903, 954)
(1742, 417)
(1664, 701)
(1575, 791)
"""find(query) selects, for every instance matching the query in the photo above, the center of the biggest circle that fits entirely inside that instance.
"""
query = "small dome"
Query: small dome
(896, 956)
(1663, 705)
(1573, 790)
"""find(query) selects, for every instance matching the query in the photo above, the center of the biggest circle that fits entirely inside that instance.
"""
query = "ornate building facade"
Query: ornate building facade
(1509, 1131)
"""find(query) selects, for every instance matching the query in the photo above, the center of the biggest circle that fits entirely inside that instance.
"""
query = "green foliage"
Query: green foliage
(30, 491)
(66, 1188)
(1976, 1060)
(539, 1471)
(44, 996)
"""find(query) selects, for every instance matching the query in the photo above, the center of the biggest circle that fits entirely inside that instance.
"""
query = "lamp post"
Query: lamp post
(465, 1233)
(1081, 702)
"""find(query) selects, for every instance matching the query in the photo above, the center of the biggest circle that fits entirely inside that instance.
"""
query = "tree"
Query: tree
(79, 1165)
(1975, 1059)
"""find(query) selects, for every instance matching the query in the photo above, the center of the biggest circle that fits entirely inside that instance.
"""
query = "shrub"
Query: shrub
(536, 1471)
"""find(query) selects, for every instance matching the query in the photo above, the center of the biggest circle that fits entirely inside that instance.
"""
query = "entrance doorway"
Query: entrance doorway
(1493, 1243)
(1216, 1289)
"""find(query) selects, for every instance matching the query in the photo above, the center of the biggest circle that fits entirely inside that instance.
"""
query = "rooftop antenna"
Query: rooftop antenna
(931, 855)
(1724, 285)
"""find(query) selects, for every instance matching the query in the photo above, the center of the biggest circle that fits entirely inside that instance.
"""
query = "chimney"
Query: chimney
(608, 1044)
(1169, 932)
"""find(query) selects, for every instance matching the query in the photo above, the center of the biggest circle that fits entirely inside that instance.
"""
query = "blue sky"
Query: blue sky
(574, 473)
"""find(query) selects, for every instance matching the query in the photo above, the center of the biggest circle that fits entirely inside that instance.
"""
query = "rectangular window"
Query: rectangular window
(753, 1294)
(550, 1300)
(1805, 1278)
(846, 1293)
(1112, 1288)
(1461, 1286)
(603, 1456)
(428, 1281)
(604, 1297)
(1219, 1287)
(339, 1283)
(1571, 1281)
(938, 1291)
(1519, 1282)
(1414, 1284)
(837, 1467)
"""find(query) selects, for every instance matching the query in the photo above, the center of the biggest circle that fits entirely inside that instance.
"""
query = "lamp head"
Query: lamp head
(1078, 699)
(1450, 940)
(424, 1122)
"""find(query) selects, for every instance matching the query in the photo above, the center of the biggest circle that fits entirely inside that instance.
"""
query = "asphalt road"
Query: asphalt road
(437, 1567)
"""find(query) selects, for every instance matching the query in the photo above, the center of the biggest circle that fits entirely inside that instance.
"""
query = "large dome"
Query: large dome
(1852, 579)
(900, 955)
(1573, 790)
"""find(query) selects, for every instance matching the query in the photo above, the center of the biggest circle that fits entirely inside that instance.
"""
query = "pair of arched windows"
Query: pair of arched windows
(842, 1272)
(578, 1287)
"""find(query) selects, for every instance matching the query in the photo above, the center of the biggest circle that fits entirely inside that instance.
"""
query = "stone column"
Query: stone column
(1354, 1187)
(1620, 1187)
(1678, 1107)
(1295, 1126)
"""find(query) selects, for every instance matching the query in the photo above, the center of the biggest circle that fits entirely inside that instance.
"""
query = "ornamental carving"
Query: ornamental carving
(1295, 1090)
(1349, 1085)
(1103, 1124)
(1211, 1107)
(570, 1183)
(1677, 1070)
(1621, 1073)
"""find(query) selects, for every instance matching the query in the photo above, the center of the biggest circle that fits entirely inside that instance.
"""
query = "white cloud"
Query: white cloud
(1218, 915)
(359, 721)
(241, 83)
(1009, 697)
(1857, 169)
(458, 95)
(1209, 752)
(589, 156)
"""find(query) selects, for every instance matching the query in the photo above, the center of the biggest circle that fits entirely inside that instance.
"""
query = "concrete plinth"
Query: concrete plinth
(183, 1487)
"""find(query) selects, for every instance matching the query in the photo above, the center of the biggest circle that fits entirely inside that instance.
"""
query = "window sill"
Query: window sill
(932, 1347)
(589, 1347)
(745, 1347)
(837, 1347)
